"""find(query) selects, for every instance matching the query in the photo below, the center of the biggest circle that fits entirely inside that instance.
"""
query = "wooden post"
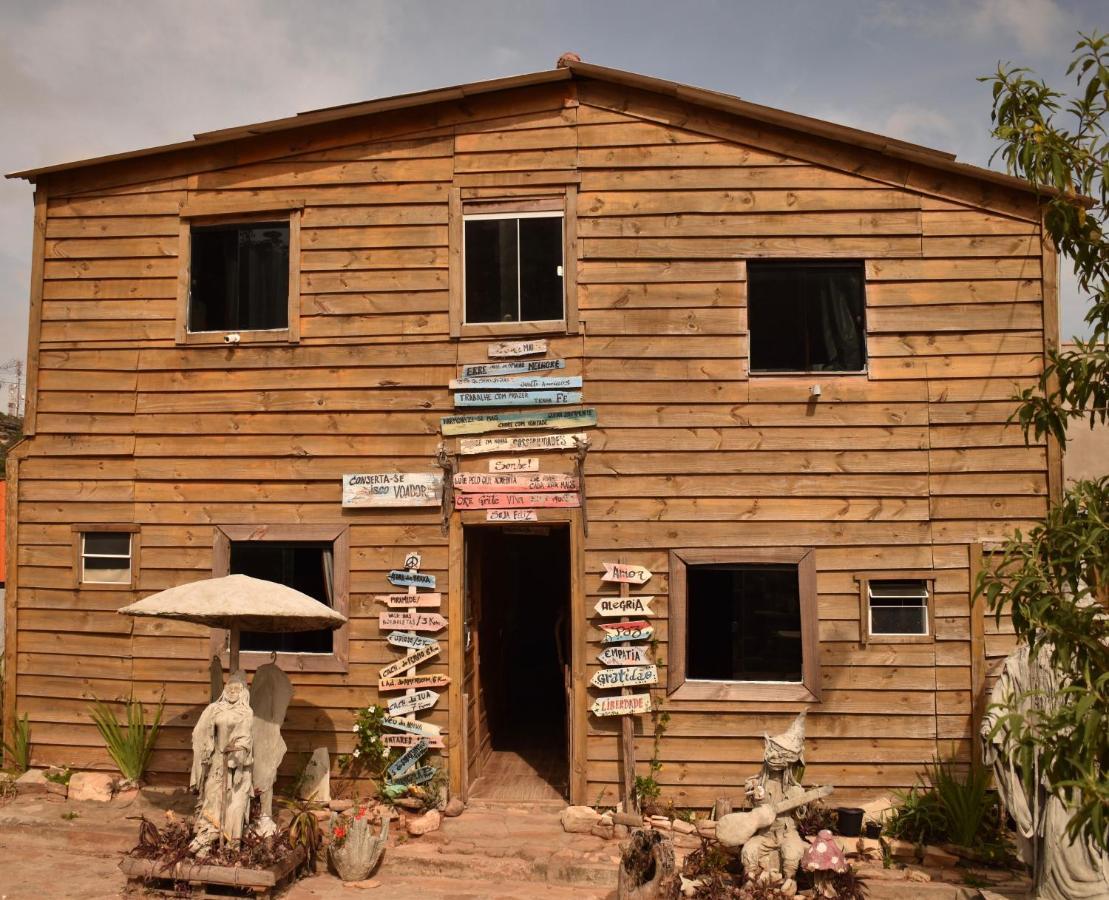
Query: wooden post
(977, 656)
(233, 651)
(627, 738)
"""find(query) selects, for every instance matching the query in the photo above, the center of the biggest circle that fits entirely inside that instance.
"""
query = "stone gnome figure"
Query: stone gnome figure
(775, 785)
(223, 762)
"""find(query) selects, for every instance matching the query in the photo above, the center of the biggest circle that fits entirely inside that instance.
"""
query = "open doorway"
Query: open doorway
(518, 661)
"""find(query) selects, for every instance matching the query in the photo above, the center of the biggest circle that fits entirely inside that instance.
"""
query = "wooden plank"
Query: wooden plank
(516, 398)
(519, 367)
(411, 621)
(392, 489)
(504, 465)
(625, 606)
(515, 384)
(479, 424)
(626, 574)
(625, 655)
(518, 443)
(625, 676)
(516, 501)
(480, 482)
(509, 516)
(620, 705)
(398, 601)
(503, 349)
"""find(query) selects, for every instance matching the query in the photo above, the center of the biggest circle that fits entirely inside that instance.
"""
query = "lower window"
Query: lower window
(743, 625)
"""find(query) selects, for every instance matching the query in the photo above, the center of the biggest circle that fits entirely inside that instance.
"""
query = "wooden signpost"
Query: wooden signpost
(522, 443)
(423, 654)
(517, 348)
(625, 606)
(405, 682)
(412, 726)
(417, 776)
(519, 501)
(480, 424)
(516, 398)
(413, 702)
(411, 578)
(623, 574)
(622, 705)
(625, 676)
(411, 621)
(635, 655)
(511, 515)
(519, 367)
(408, 759)
(409, 640)
(404, 740)
(511, 483)
(392, 489)
(400, 601)
(502, 465)
(626, 631)
(525, 383)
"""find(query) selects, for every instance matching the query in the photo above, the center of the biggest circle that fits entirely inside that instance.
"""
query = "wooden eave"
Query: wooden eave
(703, 97)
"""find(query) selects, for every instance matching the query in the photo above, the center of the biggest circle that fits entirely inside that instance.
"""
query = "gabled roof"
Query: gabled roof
(569, 69)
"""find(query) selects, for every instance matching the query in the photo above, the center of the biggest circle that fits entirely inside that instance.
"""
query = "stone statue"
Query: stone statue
(776, 785)
(270, 693)
(223, 763)
(1061, 869)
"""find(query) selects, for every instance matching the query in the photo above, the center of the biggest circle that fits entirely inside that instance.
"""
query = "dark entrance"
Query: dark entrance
(518, 661)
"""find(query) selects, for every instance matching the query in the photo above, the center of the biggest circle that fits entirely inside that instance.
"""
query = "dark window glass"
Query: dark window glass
(743, 623)
(806, 317)
(239, 277)
(898, 607)
(308, 568)
(512, 269)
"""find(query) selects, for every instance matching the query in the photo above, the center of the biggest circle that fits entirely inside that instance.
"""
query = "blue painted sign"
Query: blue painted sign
(403, 578)
(516, 398)
(409, 640)
(493, 370)
(479, 424)
(417, 776)
(408, 760)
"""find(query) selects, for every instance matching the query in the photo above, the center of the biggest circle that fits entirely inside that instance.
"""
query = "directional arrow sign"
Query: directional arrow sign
(402, 578)
(625, 606)
(404, 741)
(421, 655)
(625, 574)
(527, 383)
(634, 655)
(518, 348)
(617, 705)
(404, 682)
(520, 367)
(425, 729)
(418, 776)
(408, 640)
(626, 631)
(413, 703)
(628, 676)
(411, 621)
(408, 759)
(430, 599)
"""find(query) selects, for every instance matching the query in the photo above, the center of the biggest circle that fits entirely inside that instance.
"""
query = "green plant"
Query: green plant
(59, 776)
(814, 817)
(849, 885)
(128, 745)
(19, 750)
(918, 817)
(1055, 581)
(966, 801)
(304, 830)
(647, 789)
(70, 816)
(370, 755)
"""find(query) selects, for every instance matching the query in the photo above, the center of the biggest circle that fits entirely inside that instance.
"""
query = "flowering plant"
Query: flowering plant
(370, 753)
(345, 822)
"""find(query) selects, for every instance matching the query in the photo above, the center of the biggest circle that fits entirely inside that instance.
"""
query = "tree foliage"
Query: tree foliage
(1054, 582)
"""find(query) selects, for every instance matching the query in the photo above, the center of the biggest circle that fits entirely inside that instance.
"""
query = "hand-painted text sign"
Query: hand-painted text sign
(626, 574)
(393, 489)
(625, 606)
(426, 729)
(523, 443)
(412, 560)
(404, 682)
(514, 464)
(413, 659)
(518, 501)
(404, 741)
(528, 383)
(409, 640)
(413, 703)
(511, 515)
(520, 367)
(404, 578)
(479, 424)
(399, 601)
(626, 631)
(517, 348)
(626, 676)
(617, 705)
(411, 621)
(408, 760)
(516, 398)
(417, 776)
(491, 483)
(626, 655)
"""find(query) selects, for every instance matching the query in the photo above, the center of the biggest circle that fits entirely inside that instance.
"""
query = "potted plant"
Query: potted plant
(355, 849)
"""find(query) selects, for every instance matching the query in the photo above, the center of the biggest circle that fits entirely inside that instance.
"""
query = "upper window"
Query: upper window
(898, 608)
(106, 557)
(239, 277)
(806, 316)
(513, 268)
(743, 625)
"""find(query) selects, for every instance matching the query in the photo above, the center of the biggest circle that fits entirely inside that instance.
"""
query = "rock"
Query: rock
(579, 819)
(315, 784)
(94, 786)
(606, 832)
(623, 818)
(690, 886)
(31, 782)
(917, 875)
(455, 807)
(368, 885)
(707, 827)
(900, 849)
(935, 858)
(122, 798)
(340, 806)
(874, 809)
(425, 824)
(322, 815)
(619, 832)
(686, 841)
(413, 804)
(606, 819)
(683, 827)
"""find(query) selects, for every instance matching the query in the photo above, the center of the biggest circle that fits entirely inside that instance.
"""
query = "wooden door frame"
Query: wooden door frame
(456, 644)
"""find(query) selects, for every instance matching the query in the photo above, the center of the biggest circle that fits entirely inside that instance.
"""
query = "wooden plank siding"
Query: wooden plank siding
(897, 469)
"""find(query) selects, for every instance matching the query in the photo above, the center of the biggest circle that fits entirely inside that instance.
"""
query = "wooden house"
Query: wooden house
(800, 342)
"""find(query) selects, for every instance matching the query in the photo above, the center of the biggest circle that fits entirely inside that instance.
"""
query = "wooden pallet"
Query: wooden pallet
(205, 881)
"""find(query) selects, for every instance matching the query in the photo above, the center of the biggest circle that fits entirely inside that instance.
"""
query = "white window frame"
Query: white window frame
(926, 577)
(81, 532)
(924, 603)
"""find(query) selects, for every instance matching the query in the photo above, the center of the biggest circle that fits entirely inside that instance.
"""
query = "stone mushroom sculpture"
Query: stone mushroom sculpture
(823, 859)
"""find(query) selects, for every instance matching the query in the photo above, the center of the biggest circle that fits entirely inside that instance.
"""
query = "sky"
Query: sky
(82, 78)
